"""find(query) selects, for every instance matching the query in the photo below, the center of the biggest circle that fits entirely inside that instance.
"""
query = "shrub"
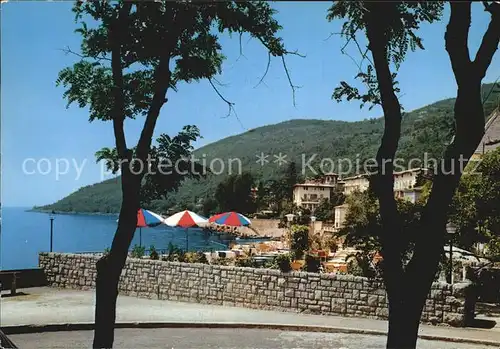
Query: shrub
(106, 251)
(299, 240)
(172, 249)
(193, 257)
(283, 261)
(138, 251)
(360, 264)
(223, 261)
(201, 258)
(313, 263)
(181, 257)
(153, 254)
(246, 262)
(174, 254)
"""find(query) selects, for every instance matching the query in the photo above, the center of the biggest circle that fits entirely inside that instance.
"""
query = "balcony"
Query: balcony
(311, 199)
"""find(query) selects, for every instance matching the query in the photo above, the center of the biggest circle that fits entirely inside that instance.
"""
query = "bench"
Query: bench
(12, 275)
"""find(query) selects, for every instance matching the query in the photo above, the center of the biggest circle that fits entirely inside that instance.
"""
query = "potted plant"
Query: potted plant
(313, 263)
(299, 240)
(153, 254)
(283, 262)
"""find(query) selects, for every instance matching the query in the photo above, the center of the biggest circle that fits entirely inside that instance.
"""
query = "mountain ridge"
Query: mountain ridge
(424, 130)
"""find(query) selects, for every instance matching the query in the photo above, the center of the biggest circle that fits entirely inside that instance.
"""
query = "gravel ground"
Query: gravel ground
(219, 338)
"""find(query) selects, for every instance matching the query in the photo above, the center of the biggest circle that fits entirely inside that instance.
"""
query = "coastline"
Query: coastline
(71, 212)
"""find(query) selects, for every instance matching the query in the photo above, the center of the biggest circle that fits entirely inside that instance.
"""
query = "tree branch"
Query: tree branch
(469, 129)
(383, 182)
(363, 54)
(282, 54)
(219, 83)
(490, 42)
(330, 35)
(241, 48)
(267, 70)
(351, 37)
(294, 87)
(67, 51)
(116, 31)
(456, 39)
(162, 76)
(230, 104)
(390, 103)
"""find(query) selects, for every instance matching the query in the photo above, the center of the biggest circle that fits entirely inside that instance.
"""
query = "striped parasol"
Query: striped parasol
(233, 219)
(186, 219)
(146, 219)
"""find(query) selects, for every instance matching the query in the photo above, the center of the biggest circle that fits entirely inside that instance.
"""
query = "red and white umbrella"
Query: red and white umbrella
(186, 219)
(145, 219)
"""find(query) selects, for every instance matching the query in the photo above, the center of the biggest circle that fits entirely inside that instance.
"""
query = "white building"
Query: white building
(404, 187)
(412, 195)
(406, 180)
(403, 180)
(308, 195)
(340, 213)
(355, 183)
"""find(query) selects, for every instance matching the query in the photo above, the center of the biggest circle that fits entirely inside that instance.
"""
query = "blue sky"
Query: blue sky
(36, 124)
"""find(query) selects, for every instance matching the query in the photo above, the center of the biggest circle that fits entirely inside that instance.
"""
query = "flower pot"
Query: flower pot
(296, 265)
(284, 266)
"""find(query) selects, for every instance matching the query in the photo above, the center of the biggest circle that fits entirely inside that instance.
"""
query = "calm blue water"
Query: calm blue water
(25, 234)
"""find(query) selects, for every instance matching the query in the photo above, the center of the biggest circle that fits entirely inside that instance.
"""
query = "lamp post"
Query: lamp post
(451, 229)
(51, 217)
(313, 219)
(289, 218)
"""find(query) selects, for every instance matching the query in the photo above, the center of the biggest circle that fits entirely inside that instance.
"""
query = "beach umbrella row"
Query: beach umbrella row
(187, 219)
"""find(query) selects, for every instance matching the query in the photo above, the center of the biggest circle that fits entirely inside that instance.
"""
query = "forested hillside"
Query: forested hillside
(424, 130)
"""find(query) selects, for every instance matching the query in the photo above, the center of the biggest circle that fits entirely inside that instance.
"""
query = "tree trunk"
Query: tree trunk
(407, 302)
(110, 266)
(408, 288)
(403, 326)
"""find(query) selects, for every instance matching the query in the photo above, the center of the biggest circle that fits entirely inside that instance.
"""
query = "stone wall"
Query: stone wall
(342, 295)
(264, 227)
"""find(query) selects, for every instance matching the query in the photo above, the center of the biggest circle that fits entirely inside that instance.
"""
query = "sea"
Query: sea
(24, 234)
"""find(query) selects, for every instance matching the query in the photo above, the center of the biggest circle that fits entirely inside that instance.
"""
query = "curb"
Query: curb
(89, 326)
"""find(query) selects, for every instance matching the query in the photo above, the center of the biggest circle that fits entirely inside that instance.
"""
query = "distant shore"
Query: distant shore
(71, 212)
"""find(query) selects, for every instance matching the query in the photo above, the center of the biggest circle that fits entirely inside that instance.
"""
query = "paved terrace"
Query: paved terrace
(42, 306)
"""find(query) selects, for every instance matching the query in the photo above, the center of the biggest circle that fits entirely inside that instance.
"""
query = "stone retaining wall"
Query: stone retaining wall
(343, 295)
(264, 227)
